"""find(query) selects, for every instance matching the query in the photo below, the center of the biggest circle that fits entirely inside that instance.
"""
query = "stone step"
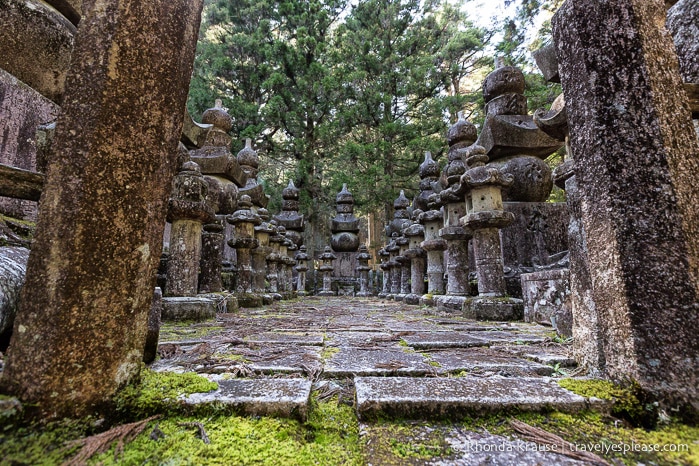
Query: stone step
(453, 398)
(259, 397)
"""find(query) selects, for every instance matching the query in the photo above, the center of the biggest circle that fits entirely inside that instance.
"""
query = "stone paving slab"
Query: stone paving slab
(259, 397)
(430, 340)
(509, 337)
(453, 398)
(486, 360)
(383, 361)
(188, 308)
(361, 339)
(277, 338)
(550, 355)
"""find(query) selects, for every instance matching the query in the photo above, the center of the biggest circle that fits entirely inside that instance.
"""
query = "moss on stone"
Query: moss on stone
(160, 392)
(629, 402)
(328, 352)
(403, 442)
(186, 330)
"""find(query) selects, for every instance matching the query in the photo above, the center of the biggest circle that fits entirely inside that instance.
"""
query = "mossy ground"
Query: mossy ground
(330, 436)
(179, 331)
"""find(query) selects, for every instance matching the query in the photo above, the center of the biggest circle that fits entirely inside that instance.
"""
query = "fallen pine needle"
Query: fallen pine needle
(96, 444)
(563, 447)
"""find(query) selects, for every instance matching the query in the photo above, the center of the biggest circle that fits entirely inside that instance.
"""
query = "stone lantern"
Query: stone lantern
(386, 286)
(273, 262)
(415, 234)
(187, 211)
(263, 231)
(485, 217)
(245, 220)
(301, 268)
(326, 269)
(404, 266)
(363, 271)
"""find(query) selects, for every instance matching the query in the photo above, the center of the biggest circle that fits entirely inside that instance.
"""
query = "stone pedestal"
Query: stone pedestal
(547, 299)
(403, 268)
(639, 207)
(537, 237)
(273, 260)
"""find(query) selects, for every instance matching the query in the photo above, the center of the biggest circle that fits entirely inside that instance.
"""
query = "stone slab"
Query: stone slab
(455, 398)
(361, 339)
(542, 354)
(259, 397)
(272, 338)
(486, 360)
(188, 308)
(509, 337)
(429, 340)
(383, 361)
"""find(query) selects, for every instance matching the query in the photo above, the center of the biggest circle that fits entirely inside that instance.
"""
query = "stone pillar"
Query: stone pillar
(187, 210)
(460, 135)
(291, 249)
(639, 205)
(485, 218)
(363, 271)
(245, 221)
(386, 275)
(283, 263)
(326, 269)
(415, 234)
(107, 180)
(301, 268)
(211, 258)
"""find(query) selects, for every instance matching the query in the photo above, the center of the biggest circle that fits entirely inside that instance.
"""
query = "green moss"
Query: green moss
(40, 444)
(160, 392)
(629, 402)
(328, 352)
(329, 437)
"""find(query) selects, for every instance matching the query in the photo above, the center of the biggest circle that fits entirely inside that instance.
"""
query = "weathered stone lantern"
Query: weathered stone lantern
(301, 268)
(245, 220)
(485, 217)
(263, 231)
(187, 211)
(416, 255)
(326, 269)
(363, 271)
(386, 285)
(273, 262)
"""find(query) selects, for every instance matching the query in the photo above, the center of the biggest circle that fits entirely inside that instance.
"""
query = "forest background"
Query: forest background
(355, 92)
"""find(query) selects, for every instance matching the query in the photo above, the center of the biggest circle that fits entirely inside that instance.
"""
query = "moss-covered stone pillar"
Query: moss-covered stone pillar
(82, 324)
(636, 159)
(244, 220)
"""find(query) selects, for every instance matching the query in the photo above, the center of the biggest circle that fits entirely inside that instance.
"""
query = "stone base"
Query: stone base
(493, 308)
(399, 297)
(364, 294)
(225, 302)
(412, 299)
(249, 300)
(188, 308)
(547, 299)
(450, 303)
(326, 293)
(383, 295)
(303, 293)
(267, 299)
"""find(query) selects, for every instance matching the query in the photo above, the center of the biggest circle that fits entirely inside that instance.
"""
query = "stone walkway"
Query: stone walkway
(387, 358)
